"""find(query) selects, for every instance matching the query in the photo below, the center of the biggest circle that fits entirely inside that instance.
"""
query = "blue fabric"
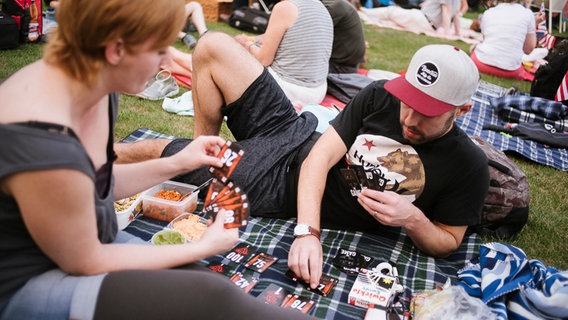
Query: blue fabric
(482, 114)
(523, 108)
(515, 287)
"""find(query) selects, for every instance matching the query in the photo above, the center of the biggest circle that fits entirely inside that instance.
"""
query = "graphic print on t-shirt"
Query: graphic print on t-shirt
(398, 163)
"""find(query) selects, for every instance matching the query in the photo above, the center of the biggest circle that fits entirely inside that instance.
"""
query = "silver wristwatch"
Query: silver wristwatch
(302, 230)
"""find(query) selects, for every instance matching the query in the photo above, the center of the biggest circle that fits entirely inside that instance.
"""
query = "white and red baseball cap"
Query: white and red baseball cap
(439, 78)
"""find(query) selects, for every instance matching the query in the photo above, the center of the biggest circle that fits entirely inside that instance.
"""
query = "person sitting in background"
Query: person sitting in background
(180, 62)
(62, 256)
(194, 12)
(434, 16)
(348, 50)
(296, 48)
(402, 130)
(509, 31)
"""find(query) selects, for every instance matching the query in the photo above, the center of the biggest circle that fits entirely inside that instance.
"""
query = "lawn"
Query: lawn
(545, 236)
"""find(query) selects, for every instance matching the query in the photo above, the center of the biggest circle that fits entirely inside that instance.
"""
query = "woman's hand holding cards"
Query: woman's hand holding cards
(218, 238)
(203, 151)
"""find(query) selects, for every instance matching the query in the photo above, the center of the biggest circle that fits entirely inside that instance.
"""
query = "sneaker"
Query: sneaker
(189, 41)
(189, 27)
(161, 86)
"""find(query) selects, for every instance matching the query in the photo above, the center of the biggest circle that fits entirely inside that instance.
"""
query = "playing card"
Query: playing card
(376, 181)
(220, 267)
(273, 294)
(350, 178)
(230, 154)
(240, 253)
(327, 283)
(296, 302)
(260, 262)
(216, 188)
(350, 261)
(244, 281)
(235, 214)
(362, 175)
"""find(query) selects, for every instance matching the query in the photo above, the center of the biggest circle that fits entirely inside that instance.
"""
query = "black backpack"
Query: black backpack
(506, 207)
(548, 77)
(9, 33)
(249, 19)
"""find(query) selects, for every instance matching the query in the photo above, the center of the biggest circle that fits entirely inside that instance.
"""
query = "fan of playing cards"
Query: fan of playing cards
(223, 193)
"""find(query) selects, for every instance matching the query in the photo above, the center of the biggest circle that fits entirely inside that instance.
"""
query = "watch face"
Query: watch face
(301, 230)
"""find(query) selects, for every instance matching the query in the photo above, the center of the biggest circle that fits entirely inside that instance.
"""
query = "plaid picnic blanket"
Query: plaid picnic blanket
(484, 113)
(417, 271)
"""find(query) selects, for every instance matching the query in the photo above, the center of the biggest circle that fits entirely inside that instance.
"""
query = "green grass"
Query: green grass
(545, 236)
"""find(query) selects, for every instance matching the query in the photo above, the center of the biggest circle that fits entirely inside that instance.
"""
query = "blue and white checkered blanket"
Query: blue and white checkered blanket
(483, 113)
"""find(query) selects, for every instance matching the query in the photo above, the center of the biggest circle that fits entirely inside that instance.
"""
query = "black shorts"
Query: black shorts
(267, 127)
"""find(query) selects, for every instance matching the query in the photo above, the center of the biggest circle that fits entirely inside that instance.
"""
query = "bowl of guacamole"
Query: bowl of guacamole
(167, 236)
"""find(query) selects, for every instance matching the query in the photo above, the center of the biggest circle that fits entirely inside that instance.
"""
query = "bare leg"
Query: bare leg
(140, 150)
(195, 12)
(180, 62)
(222, 71)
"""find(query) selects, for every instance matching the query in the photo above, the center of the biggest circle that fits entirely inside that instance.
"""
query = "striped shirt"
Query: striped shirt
(303, 55)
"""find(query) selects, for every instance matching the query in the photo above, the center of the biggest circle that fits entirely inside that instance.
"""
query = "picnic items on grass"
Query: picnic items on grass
(182, 105)
(161, 86)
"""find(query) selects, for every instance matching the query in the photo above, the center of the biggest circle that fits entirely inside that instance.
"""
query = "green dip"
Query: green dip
(168, 237)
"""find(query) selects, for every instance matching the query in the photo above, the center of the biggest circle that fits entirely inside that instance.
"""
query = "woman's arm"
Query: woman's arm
(200, 152)
(58, 211)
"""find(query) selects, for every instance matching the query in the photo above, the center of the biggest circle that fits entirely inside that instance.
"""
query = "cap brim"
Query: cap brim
(416, 99)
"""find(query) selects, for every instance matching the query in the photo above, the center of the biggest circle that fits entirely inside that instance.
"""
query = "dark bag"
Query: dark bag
(506, 208)
(9, 32)
(249, 19)
(344, 86)
(27, 19)
(548, 77)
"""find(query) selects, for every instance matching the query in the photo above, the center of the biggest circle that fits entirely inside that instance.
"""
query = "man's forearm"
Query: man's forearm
(435, 239)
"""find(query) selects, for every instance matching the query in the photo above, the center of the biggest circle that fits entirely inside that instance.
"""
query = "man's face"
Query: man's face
(418, 128)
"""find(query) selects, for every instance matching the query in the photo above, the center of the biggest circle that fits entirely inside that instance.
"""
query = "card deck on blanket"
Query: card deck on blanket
(273, 294)
(327, 283)
(296, 302)
(244, 281)
(350, 261)
(261, 262)
(240, 253)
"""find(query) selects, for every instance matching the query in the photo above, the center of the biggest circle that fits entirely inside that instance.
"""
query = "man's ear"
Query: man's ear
(463, 109)
(114, 52)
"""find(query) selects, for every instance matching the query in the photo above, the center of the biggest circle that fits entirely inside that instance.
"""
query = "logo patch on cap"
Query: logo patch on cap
(427, 74)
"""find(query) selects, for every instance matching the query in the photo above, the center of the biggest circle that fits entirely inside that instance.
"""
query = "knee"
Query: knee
(211, 44)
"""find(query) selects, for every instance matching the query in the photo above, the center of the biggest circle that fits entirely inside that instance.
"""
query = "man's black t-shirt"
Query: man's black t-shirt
(446, 178)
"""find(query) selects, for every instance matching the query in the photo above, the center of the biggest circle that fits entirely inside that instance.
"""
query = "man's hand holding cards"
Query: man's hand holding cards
(357, 178)
(223, 193)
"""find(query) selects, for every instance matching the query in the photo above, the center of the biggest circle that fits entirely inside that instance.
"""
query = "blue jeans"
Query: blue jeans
(58, 295)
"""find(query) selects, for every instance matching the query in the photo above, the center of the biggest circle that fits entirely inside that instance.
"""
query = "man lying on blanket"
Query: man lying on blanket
(397, 135)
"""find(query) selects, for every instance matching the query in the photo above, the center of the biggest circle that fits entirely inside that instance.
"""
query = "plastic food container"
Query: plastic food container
(190, 225)
(168, 236)
(162, 209)
(127, 209)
